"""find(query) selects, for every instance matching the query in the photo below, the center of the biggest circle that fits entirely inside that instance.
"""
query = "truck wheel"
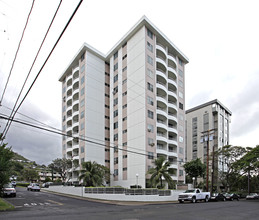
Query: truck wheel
(206, 199)
(224, 199)
(193, 199)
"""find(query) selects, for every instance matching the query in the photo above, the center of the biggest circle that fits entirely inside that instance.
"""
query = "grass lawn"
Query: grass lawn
(5, 206)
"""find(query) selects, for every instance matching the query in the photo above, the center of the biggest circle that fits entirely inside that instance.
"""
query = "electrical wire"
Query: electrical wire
(60, 36)
(43, 41)
(17, 52)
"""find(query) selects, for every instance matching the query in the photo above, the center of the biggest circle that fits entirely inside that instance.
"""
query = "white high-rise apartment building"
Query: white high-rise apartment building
(131, 101)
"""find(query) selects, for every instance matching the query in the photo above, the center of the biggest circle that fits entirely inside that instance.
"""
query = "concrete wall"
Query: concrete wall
(79, 191)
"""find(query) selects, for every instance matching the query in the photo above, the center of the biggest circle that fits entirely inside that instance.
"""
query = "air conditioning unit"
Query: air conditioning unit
(64, 99)
(149, 130)
(152, 144)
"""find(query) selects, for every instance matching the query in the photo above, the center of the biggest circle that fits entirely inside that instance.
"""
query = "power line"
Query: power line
(74, 137)
(33, 64)
(70, 19)
(17, 51)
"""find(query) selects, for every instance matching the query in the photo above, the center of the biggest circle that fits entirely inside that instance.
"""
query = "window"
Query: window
(116, 160)
(107, 128)
(107, 74)
(181, 105)
(82, 115)
(181, 117)
(124, 106)
(124, 81)
(181, 95)
(107, 161)
(124, 156)
(180, 62)
(150, 128)
(124, 69)
(107, 150)
(106, 84)
(82, 91)
(124, 131)
(82, 57)
(107, 95)
(82, 79)
(82, 149)
(180, 150)
(115, 125)
(107, 106)
(64, 89)
(115, 90)
(82, 69)
(149, 33)
(116, 172)
(82, 103)
(150, 73)
(124, 144)
(107, 139)
(115, 113)
(150, 155)
(124, 45)
(150, 87)
(64, 108)
(180, 72)
(82, 160)
(180, 83)
(115, 55)
(150, 101)
(150, 114)
(150, 47)
(124, 57)
(124, 119)
(107, 117)
(115, 67)
(150, 141)
(115, 102)
(150, 60)
(82, 126)
(180, 172)
(115, 78)
(181, 139)
(115, 137)
(125, 93)
(124, 169)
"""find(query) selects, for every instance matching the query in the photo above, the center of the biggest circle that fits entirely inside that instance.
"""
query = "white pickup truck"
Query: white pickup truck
(193, 195)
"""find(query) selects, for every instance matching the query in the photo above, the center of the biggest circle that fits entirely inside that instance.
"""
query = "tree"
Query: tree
(195, 168)
(160, 171)
(93, 174)
(30, 174)
(61, 166)
(6, 154)
(228, 156)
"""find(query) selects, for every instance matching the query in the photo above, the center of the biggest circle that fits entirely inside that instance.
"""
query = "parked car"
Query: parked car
(231, 196)
(9, 190)
(47, 184)
(217, 197)
(33, 187)
(193, 196)
(252, 196)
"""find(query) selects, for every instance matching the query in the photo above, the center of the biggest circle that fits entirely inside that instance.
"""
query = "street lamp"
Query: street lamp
(193, 179)
(137, 179)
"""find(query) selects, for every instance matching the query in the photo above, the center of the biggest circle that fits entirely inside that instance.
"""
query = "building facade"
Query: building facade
(127, 107)
(207, 128)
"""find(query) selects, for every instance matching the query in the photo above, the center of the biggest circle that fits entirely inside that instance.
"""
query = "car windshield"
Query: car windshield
(9, 185)
(35, 184)
(190, 191)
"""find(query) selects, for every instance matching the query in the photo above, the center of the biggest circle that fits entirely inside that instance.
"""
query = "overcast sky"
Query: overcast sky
(220, 38)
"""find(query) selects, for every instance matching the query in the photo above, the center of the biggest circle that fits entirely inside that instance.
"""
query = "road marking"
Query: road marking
(58, 203)
(26, 204)
(41, 203)
(33, 203)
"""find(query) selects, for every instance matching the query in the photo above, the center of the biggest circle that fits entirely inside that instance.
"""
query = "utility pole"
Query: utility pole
(207, 134)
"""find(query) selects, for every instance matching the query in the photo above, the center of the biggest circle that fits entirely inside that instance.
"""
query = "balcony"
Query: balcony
(161, 48)
(172, 105)
(162, 99)
(172, 72)
(173, 96)
(161, 124)
(69, 91)
(171, 57)
(162, 151)
(172, 141)
(76, 84)
(161, 111)
(172, 117)
(161, 137)
(69, 80)
(161, 74)
(161, 61)
(162, 86)
(172, 129)
(76, 69)
(172, 83)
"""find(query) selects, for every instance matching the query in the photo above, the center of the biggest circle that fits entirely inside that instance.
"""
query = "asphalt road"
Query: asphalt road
(43, 205)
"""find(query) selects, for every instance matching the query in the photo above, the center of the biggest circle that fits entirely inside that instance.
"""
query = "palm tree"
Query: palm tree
(93, 174)
(161, 171)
